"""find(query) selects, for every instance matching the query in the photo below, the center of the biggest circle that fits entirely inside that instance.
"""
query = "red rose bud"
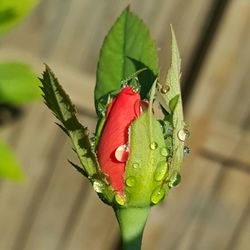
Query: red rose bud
(113, 148)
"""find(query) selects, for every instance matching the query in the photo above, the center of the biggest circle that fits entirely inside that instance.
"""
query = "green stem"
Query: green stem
(132, 222)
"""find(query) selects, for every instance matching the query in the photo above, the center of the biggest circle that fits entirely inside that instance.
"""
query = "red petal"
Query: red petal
(115, 133)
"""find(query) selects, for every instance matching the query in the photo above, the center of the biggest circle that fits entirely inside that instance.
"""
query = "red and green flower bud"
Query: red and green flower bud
(132, 152)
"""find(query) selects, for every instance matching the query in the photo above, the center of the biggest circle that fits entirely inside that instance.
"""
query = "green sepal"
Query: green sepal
(146, 159)
(173, 100)
(59, 102)
(78, 168)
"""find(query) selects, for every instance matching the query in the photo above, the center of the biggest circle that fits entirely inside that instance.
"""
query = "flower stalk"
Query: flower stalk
(132, 221)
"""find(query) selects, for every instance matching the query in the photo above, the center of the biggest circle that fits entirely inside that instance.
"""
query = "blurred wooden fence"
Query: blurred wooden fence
(56, 209)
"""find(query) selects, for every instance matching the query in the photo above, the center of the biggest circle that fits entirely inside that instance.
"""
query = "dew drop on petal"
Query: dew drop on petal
(161, 171)
(130, 181)
(120, 200)
(157, 195)
(153, 145)
(122, 153)
(98, 186)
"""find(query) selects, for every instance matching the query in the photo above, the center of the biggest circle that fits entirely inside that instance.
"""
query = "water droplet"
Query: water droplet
(130, 181)
(175, 180)
(157, 195)
(164, 89)
(122, 153)
(120, 200)
(164, 152)
(161, 171)
(135, 165)
(123, 83)
(153, 145)
(183, 134)
(186, 150)
(98, 186)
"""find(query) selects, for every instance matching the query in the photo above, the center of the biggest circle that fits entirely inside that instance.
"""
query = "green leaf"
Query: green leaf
(127, 48)
(18, 84)
(13, 11)
(9, 168)
(60, 104)
(173, 80)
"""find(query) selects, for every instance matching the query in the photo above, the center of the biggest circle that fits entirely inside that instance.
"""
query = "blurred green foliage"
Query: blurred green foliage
(13, 11)
(18, 84)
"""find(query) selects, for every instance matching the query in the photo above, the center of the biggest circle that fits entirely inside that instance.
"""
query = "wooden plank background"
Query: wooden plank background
(56, 209)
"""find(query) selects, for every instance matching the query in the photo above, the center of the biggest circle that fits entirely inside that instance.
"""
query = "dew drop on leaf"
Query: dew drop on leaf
(186, 150)
(153, 145)
(135, 165)
(175, 181)
(183, 134)
(161, 171)
(164, 89)
(120, 200)
(130, 181)
(164, 152)
(121, 153)
(98, 186)
(157, 195)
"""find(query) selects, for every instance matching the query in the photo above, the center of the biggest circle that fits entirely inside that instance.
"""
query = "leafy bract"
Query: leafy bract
(60, 104)
(18, 84)
(127, 48)
(173, 98)
(9, 168)
(13, 11)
